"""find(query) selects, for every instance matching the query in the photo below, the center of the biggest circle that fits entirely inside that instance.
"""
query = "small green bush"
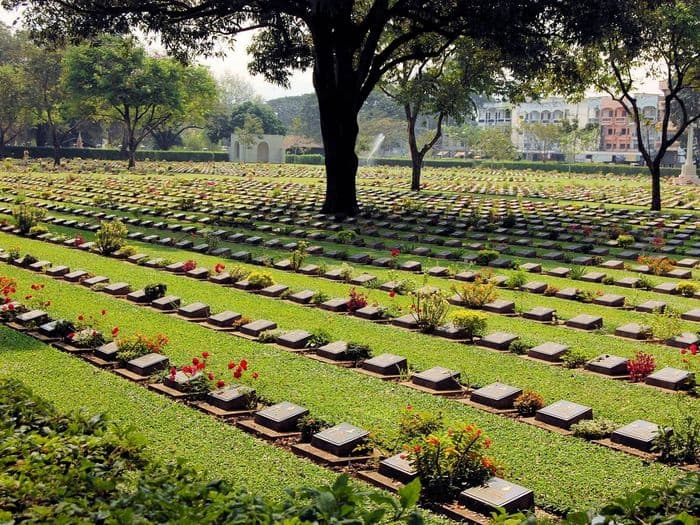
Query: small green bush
(473, 323)
(259, 280)
(110, 237)
(594, 428)
(27, 216)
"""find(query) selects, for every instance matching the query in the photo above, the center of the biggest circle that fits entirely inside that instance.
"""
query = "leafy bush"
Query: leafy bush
(665, 325)
(476, 294)
(319, 337)
(687, 289)
(594, 428)
(640, 366)
(551, 291)
(260, 280)
(104, 476)
(110, 237)
(138, 345)
(577, 272)
(319, 297)
(573, 358)
(27, 216)
(657, 265)
(518, 347)
(357, 352)
(414, 424)
(473, 323)
(680, 442)
(310, 425)
(127, 251)
(625, 240)
(429, 307)
(39, 229)
(483, 257)
(516, 280)
(346, 236)
(155, 291)
(299, 255)
(269, 336)
(452, 461)
(528, 403)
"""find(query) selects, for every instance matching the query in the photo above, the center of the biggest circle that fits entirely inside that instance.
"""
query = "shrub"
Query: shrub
(657, 265)
(310, 425)
(451, 462)
(414, 424)
(318, 338)
(127, 251)
(237, 273)
(680, 442)
(429, 307)
(665, 325)
(551, 291)
(346, 236)
(518, 347)
(573, 359)
(357, 352)
(476, 294)
(346, 272)
(625, 240)
(640, 366)
(138, 345)
(473, 323)
(516, 280)
(483, 257)
(319, 297)
(298, 255)
(27, 216)
(594, 428)
(269, 336)
(259, 280)
(39, 229)
(577, 272)
(155, 291)
(357, 300)
(687, 289)
(110, 237)
(528, 403)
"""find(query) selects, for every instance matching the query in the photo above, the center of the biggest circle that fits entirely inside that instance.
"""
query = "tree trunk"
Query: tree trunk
(56, 147)
(655, 187)
(338, 111)
(416, 156)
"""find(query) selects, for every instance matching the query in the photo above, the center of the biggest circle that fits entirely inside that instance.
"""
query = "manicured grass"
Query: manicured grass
(564, 465)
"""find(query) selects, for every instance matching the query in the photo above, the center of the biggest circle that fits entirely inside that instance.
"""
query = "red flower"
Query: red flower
(210, 376)
(409, 407)
(220, 383)
(238, 373)
(195, 361)
(81, 317)
(684, 351)
(205, 355)
(231, 365)
(693, 349)
(104, 312)
(395, 252)
(255, 375)
(392, 294)
(115, 331)
(244, 364)
(27, 297)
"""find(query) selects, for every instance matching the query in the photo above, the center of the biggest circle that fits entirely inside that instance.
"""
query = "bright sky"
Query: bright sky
(235, 61)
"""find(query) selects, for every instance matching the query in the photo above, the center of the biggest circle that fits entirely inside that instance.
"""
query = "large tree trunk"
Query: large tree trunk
(655, 187)
(338, 110)
(416, 156)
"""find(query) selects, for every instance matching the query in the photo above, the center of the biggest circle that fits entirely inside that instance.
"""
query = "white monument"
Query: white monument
(689, 174)
(268, 148)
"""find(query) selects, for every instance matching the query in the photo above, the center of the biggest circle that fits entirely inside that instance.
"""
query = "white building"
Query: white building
(269, 148)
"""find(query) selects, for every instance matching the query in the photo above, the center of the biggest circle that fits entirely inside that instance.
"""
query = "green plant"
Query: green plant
(477, 293)
(577, 272)
(319, 297)
(657, 265)
(39, 229)
(573, 358)
(110, 237)
(127, 251)
(528, 403)
(269, 336)
(665, 325)
(346, 272)
(516, 280)
(346, 236)
(27, 216)
(414, 424)
(473, 323)
(298, 255)
(483, 257)
(319, 337)
(452, 461)
(357, 352)
(687, 289)
(679, 442)
(598, 428)
(518, 347)
(135, 346)
(259, 280)
(429, 307)
(625, 240)
(310, 425)
(155, 291)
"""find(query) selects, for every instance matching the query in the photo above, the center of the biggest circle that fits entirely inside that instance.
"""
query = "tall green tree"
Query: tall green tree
(349, 44)
(199, 100)
(495, 143)
(661, 38)
(14, 104)
(249, 133)
(120, 82)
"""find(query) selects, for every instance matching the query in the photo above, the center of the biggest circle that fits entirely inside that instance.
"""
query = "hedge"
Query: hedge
(17, 152)
(305, 159)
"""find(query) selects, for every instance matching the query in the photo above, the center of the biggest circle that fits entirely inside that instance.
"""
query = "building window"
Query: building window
(610, 131)
(623, 131)
(607, 146)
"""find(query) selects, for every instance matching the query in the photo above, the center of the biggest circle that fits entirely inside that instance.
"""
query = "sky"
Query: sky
(235, 61)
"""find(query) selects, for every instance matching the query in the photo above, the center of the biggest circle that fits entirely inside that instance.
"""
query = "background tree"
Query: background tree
(546, 136)
(467, 134)
(663, 40)
(118, 80)
(249, 133)
(13, 104)
(495, 143)
(575, 139)
(53, 106)
(343, 41)
(199, 99)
